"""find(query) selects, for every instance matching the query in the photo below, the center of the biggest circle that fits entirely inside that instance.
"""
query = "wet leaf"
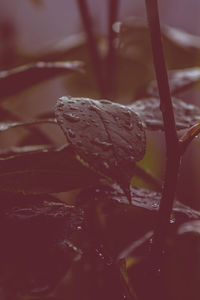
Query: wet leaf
(107, 137)
(179, 81)
(38, 242)
(113, 218)
(149, 112)
(7, 125)
(44, 171)
(15, 80)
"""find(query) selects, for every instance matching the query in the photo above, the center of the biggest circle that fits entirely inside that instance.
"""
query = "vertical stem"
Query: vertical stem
(113, 6)
(95, 59)
(172, 144)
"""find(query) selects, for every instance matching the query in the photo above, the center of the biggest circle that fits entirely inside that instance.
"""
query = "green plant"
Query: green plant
(112, 239)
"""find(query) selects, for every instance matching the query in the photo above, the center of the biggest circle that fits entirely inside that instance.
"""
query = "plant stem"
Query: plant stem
(95, 59)
(113, 6)
(172, 143)
(188, 137)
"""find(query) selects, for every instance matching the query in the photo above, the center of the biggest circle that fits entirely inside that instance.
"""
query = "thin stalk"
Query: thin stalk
(172, 143)
(113, 6)
(95, 59)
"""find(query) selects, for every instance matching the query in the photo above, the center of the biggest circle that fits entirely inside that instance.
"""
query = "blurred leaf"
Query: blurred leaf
(13, 151)
(130, 75)
(149, 112)
(44, 171)
(38, 242)
(6, 115)
(181, 49)
(7, 125)
(181, 266)
(72, 48)
(108, 137)
(20, 78)
(179, 81)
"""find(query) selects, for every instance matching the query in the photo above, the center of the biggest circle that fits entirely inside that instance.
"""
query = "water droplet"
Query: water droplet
(106, 165)
(127, 113)
(95, 154)
(172, 220)
(93, 108)
(71, 133)
(138, 135)
(117, 118)
(104, 145)
(130, 147)
(105, 102)
(71, 117)
(79, 143)
(73, 108)
(155, 205)
(128, 125)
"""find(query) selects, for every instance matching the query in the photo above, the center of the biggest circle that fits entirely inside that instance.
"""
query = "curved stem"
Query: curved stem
(172, 143)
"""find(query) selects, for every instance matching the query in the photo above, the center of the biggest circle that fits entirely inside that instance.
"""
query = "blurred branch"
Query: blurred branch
(95, 59)
(113, 6)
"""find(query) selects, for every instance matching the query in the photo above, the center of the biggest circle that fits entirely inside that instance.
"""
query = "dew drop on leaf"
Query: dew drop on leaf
(71, 117)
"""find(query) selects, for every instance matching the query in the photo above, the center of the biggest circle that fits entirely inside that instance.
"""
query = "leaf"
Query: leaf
(181, 268)
(72, 48)
(7, 125)
(39, 242)
(6, 115)
(120, 224)
(182, 50)
(179, 81)
(15, 80)
(149, 112)
(45, 171)
(108, 137)
(13, 151)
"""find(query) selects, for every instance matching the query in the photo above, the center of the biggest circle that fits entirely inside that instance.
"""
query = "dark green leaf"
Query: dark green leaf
(108, 137)
(179, 81)
(20, 78)
(149, 112)
(44, 171)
